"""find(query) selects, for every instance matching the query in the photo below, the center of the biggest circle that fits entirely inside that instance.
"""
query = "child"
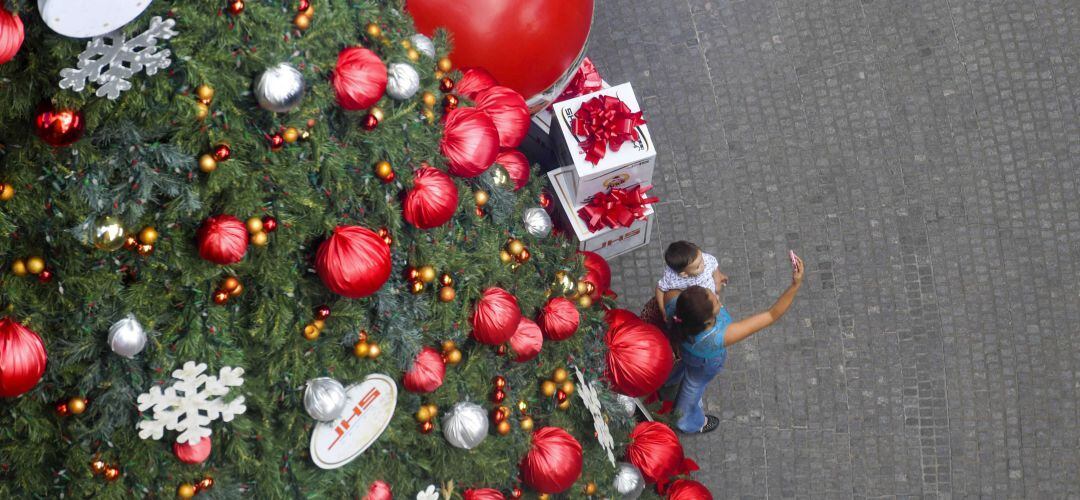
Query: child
(688, 266)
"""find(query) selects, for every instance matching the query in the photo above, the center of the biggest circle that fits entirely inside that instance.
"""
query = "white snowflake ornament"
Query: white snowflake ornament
(592, 402)
(110, 60)
(191, 404)
(429, 494)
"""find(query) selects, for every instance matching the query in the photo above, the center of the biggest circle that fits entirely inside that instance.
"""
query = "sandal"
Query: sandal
(711, 424)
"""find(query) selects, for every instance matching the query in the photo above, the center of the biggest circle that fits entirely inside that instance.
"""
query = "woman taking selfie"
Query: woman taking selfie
(703, 329)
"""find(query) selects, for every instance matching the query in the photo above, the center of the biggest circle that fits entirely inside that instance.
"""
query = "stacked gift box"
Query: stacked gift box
(607, 158)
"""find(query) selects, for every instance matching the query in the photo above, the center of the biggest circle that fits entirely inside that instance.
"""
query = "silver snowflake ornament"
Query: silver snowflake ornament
(588, 394)
(110, 60)
(189, 405)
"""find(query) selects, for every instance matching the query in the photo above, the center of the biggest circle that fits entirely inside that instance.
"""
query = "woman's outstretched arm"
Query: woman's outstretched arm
(744, 328)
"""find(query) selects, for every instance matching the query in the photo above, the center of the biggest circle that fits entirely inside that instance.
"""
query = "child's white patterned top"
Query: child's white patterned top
(672, 280)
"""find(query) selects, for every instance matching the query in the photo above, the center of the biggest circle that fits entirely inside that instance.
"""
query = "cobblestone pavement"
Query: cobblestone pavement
(922, 156)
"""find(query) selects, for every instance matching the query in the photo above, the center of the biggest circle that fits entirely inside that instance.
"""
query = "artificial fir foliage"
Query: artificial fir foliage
(139, 162)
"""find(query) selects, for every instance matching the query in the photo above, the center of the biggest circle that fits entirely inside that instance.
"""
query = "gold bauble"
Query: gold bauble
(378, 113)
(302, 21)
(481, 197)
(429, 115)
(205, 483)
(237, 291)
(412, 54)
(185, 490)
(585, 301)
(373, 30)
(148, 235)
(453, 357)
(447, 294)
(76, 405)
(230, 284)
(527, 424)
(254, 225)
(7, 191)
(523, 406)
(515, 246)
(319, 323)
(547, 388)
(18, 268)
(563, 285)
(445, 65)
(360, 349)
(205, 93)
(567, 387)
(503, 428)
(373, 351)
(428, 98)
(427, 273)
(499, 177)
(107, 233)
(97, 466)
(505, 256)
(112, 473)
(383, 170)
(310, 332)
(201, 111)
(310, 11)
(207, 164)
(565, 405)
(590, 489)
(559, 375)
(582, 287)
(291, 135)
(416, 287)
(432, 410)
(259, 239)
(423, 414)
(543, 496)
(35, 265)
(448, 345)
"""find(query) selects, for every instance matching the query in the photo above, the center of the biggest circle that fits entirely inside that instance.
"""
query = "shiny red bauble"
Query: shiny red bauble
(222, 239)
(426, 373)
(639, 357)
(379, 490)
(656, 451)
(269, 224)
(483, 494)
(58, 127)
(527, 341)
(474, 81)
(359, 78)
(688, 489)
(559, 319)
(553, 463)
(193, 453)
(22, 358)
(548, 39)
(222, 152)
(495, 317)
(516, 166)
(470, 142)
(11, 35)
(432, 200)
(508, 112)
(353, 262)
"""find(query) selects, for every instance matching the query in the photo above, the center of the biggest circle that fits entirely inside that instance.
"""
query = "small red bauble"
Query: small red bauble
(426, 373)
(527, 340)
(379, 490)
(22, 358)
(369, 124)
(58, 127)
(11, 35)
(359, 79)
(193, 453)
(222, 239)
(516, 166)
(269, 224)
(236, 7)
(501, 350)
(474, 81)
(277, 141)
(62, 409)
(499, 381)
(560, 396)
(322, 312)
(45, 276)
(553, 463)
(446, 84)
(508, 111)
(221, 297)
(304, 5)
(449, 102)
(432, 200)
(597, 272)
(516, 493)
(544, 198)
(470, 142)
(426, 427)
(498, 395)
(353, 262)
(222, 152)
(495, 317)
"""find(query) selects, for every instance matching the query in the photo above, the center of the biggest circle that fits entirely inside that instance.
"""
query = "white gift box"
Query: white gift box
(608, 242)
(631, 165)
(537, 144)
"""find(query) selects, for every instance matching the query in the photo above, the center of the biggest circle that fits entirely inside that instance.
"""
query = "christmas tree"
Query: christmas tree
(218, 219)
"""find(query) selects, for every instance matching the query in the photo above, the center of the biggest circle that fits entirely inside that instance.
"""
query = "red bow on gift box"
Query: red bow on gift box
(605, 122)
(619, 208)
(586, 81)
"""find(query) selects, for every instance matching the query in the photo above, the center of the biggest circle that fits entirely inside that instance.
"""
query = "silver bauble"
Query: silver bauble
(402, 81)
(537, 222)
(324, 398)
(628, 481)
(127, 337)
(423, 45)
(627, 404)
(280, 88)
(465, 426)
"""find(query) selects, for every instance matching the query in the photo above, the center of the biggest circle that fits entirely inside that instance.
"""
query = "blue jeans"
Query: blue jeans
(695, 374)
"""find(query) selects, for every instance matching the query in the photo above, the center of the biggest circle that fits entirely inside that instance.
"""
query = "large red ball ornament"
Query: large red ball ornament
(22, 358)
(688, 489)
(553, 463)
(516, 166)
(508, 112)
(222, 239)
(484, 494)
(474, 81)
(426, 373)
(656, 451)
(353, 262)
(359, 78)
(11, 35)
(527, 340)
(58, 127)
(470, 142)
(379, 490)
(559, 319)
(597, 272)
(639, 357)
(495, 317)
(432, 200)
(195, 453)
(548, 37)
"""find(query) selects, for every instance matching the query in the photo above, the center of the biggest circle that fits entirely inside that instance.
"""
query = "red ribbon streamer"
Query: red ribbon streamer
(618, 208)
(586, 81)
(605, 122)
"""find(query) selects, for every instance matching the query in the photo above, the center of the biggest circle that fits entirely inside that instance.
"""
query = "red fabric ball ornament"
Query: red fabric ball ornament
(527, 340)
(559, 319)
(193, 453)
(553, 463)
(516, 165)
(548, 37)
(508, 112)
(688, 489)
(11, 35)
(470, 142)
(22, 358)
(379, 490)
(223, 239)
(484, 494)
(359, 78)
(656, 451)
(639, 357)
(432, 200)
(58, 127)
(616, 317)
(474, 81)
(427, 371)
(597, 272)
(353, 262)
(495, 317)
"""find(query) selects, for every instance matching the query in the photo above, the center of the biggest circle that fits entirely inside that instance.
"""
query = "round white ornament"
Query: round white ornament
(465, 426)
(127, 337)
(628, 481)
(402, 81)
(324, 398)
(89, 18)
(537, 222)
(280, 88)
(423, 45)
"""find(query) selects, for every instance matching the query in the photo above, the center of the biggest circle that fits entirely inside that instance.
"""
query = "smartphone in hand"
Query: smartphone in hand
(794, 260)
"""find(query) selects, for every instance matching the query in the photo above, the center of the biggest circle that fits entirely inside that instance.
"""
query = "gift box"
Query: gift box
(608, 242)
(538, 146)
(607, 143)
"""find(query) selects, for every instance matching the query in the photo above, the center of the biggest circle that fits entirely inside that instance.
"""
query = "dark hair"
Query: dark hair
(693, 309)
(680, 254)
